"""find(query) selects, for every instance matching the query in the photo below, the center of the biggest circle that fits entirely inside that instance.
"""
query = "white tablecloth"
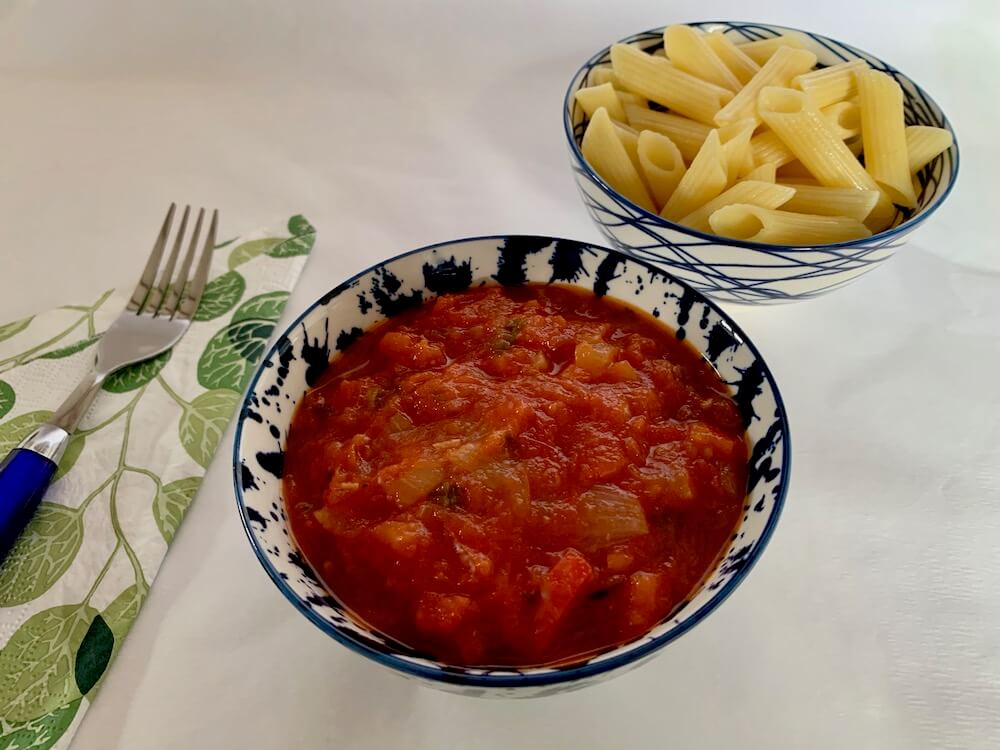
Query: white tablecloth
(872, 620)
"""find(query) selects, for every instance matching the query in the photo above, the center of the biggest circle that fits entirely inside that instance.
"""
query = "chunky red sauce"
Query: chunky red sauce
(515, 476)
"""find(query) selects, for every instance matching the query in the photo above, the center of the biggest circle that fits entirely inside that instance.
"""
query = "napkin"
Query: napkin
(77, 577)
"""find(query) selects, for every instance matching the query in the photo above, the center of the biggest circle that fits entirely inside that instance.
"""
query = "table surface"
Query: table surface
(873, 619)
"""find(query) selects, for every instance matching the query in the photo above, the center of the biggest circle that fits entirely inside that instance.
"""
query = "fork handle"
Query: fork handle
(25, 474)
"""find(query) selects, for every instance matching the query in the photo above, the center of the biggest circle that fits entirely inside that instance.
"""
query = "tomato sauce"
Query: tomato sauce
(515, 476)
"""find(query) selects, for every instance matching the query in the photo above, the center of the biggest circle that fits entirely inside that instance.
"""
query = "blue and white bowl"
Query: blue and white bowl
(300, 355)
(738, 271)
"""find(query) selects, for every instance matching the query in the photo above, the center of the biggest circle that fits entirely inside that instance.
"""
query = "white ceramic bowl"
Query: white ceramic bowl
(738, 271)
(301, 354)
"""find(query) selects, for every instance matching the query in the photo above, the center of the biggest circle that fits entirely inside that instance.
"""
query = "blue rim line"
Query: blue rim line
(530, 678)
(908, 225)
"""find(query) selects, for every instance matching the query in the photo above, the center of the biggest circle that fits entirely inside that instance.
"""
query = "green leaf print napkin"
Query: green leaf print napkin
(76, 579)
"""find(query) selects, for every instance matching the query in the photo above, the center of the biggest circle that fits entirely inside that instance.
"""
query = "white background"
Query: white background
(873, 618)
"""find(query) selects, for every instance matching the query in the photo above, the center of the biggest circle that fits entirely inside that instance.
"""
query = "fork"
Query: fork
(157, 315)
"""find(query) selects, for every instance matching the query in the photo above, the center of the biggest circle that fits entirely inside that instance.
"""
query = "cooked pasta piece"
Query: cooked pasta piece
(828, 86)
(604, 151)
(744, 221)
(764, 173)
(768, 148)
(738, 62)
(754, 192)
(795, 170)
(661, 163)
(735, 140)
(811, 137)
(665, 84)
(883, 215)
(763, 49)
(600, 74)
(630, 140)
(686, 133)
(827, 201)
(704, 179)
(883, 131)
(687, 49)
(592, 97)
(627, 97)
(923, 143)
(785, 64)
(845, 118)
(796, 181)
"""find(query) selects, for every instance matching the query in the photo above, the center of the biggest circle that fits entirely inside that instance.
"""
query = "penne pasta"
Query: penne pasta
(687, 49)
(665, 84)
(827, 201)
(704, 179)
(600, 74)
(924, 143)
(763, 194)
(626, 97)
(767, 148)
(630, 140)
(593, 97)
(796, 181)
(795, 170)
(604, 151)
(785, 64)
(738, 62)
(812, 139)
(845, 117)
(686, 134)
(735, 140)
(763, 49)
(883, 215)
(764, 173)
(883, 131)
(748, 222)
(661, 163)
(830, 85)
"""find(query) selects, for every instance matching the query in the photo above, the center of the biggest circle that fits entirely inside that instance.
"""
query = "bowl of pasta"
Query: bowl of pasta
(759, 163)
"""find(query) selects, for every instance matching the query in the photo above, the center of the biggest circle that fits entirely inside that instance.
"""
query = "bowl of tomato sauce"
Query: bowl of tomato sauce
(510, 465)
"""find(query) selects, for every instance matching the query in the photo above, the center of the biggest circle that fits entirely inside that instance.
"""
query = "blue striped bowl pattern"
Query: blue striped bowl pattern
(301, 354)
(748, 272)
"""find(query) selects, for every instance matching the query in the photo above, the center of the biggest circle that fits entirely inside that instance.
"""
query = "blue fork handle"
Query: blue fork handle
(24, 477)
(25, 474)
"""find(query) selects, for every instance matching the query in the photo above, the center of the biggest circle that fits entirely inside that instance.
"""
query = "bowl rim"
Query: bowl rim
(903, 228)
(508, 676)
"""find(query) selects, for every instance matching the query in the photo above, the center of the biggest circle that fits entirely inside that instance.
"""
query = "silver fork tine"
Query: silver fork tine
(192, 296)
(169, 306)
(149, 273)
(159, 291)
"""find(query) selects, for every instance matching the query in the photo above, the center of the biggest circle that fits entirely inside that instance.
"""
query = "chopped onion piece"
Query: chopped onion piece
(609, 515)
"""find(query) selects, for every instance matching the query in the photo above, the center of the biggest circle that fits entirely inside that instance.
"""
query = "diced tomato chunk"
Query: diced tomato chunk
(708, 443)
(442, 614)
(561, 587)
